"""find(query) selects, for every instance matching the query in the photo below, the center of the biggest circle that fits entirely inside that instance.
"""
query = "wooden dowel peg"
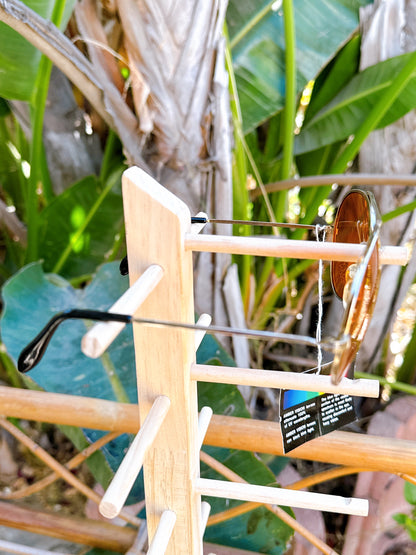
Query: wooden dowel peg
(283, 380)
(282, 497)
(163, 533)
(205, 510)
(117, 492)
(204, 419)
(203, 320)
(290, 248)
(101, 335)
(198, 227)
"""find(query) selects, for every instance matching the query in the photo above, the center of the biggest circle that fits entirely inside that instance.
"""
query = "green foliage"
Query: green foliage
(112, 377)
(348, 109)
(77, 227)
(258, 46)
(344, 103)
(408, 522)
(19, 60)
(297, 96)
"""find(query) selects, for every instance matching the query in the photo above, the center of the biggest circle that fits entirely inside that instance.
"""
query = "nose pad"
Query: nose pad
(349, 276)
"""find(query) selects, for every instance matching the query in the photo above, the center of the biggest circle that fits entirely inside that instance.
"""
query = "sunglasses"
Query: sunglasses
(357, 221)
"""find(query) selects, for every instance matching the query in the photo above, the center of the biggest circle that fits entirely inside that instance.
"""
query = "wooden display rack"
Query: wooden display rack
(160, 243)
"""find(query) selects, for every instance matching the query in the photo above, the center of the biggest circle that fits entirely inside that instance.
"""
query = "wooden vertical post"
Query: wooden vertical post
(156, 223)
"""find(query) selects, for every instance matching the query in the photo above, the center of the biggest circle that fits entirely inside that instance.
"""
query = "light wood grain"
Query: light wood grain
(156, 223)
(103, 535)
(99, 337)
(120, 486)
(343, 448)
(283, 380)
(203, 422)
(282, 497)
(205, 510)
(163, 533)
(288, 248)
(203, 320)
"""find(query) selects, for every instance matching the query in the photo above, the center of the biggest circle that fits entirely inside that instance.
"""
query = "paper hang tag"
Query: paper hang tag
(305, 415)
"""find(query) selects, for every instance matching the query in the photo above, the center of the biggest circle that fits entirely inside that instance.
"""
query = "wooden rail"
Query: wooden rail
(344, 448)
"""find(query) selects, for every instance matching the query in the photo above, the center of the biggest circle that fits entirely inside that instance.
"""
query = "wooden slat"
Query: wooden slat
(78, 530)
(344, 448)
(283, 380)
(282, 497)
(156, 223)
(289, 248)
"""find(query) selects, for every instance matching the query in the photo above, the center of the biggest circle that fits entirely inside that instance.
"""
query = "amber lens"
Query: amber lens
(353, 224)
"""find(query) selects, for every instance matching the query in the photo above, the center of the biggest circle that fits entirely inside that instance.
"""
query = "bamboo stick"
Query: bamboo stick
(52, 477)
(79, 530)
(283, 380)
(343, 448)
(84, 531)
(101, 335)
(163, 533)
(289, 248)
(63, 472)
(340, 448)
(282, 497)
(339, 179)
(69, 410)
(120, 486)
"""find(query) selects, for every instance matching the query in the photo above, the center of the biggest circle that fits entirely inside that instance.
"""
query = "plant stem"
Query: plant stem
(10, 368)
(35, 181)
(290, 89)
(108, 155)
(375, 116)
(241, 199)
(398, 386)
(399, 211)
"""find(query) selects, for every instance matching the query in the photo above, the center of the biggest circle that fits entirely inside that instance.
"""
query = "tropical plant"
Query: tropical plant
(152, 90)
(408, 522)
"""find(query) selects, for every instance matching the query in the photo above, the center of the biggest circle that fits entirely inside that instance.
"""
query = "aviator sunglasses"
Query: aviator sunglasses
(357, 221)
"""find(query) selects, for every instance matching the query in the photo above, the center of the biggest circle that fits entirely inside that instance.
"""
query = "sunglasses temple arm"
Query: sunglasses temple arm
(32, 354)
(34, 351)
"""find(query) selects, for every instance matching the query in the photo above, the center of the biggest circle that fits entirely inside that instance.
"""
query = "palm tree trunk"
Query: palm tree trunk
(180, 92)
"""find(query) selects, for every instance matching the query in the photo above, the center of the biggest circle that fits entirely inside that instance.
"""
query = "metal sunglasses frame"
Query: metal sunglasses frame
(354, 289)
(34, 351)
